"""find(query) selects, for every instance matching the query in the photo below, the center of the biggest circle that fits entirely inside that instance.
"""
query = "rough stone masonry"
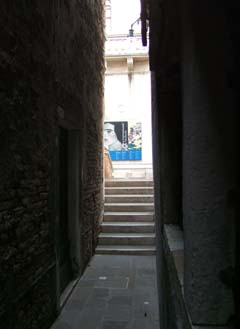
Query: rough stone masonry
(51, 68)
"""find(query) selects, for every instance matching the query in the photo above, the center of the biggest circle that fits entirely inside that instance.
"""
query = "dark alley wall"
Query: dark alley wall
(194, 51)
(209, 163)
(51, 68)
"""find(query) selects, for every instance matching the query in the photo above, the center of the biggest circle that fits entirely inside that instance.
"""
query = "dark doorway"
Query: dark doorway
(65, 268)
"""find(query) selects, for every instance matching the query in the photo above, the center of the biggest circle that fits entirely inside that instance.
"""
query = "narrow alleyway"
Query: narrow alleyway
(171, 106)
(115, 292)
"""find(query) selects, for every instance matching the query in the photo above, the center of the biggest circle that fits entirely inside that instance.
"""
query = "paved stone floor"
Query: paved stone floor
(115, 292)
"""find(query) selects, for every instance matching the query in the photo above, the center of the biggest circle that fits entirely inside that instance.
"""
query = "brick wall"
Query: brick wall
(92, 186)
(51, 57)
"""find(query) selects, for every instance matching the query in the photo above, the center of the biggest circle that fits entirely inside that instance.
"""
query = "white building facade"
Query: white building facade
(127, 94)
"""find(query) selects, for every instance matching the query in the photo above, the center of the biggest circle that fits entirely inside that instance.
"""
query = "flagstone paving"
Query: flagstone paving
(115, 292)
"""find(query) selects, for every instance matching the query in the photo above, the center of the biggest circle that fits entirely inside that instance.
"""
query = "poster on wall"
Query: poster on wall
(123, 140)
(135, 141)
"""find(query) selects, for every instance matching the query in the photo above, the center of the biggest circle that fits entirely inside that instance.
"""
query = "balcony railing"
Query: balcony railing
(122, 45)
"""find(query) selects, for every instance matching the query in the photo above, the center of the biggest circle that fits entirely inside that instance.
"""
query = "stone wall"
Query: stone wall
(207, 63)
(51, 65)
(209, 165)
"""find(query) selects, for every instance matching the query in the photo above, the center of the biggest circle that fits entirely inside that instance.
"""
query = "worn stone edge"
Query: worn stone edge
(173, 236)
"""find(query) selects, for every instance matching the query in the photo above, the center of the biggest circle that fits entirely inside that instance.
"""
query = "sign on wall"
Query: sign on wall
(135, 140)
(123, 140)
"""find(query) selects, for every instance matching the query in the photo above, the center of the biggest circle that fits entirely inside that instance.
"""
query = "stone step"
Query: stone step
(128, 227)
(126, 250)
(128, 216)
(119, 207)
(128, 182)
(131, 198)
(127, 239)
(129, 190)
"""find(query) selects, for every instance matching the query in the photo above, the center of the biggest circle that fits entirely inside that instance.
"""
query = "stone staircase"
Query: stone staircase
(128, 227)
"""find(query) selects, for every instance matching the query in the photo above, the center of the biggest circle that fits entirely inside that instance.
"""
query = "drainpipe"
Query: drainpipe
(144, 18)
